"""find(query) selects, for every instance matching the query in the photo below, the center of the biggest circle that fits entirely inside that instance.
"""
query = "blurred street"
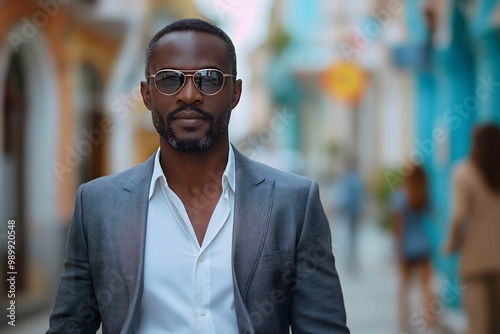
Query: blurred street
(374, 280)
(356, 95)
(370, 291)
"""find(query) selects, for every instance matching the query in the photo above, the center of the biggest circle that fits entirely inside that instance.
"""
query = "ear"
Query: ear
(237, 87)
(146, 94)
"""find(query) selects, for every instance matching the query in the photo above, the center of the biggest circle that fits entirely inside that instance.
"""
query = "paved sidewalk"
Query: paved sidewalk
(34, 324)
(370, 293)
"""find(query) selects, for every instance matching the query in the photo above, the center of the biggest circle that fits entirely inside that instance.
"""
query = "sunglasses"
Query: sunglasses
(208, 81)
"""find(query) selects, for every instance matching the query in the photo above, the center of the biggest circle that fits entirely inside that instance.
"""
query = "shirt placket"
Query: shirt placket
(201, 302)
(202, 274)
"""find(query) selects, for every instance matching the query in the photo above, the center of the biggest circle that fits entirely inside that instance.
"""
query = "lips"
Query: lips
(188, 114)
(189, 118)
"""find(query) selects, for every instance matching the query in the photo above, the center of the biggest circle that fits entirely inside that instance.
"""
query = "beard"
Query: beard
(217, 127)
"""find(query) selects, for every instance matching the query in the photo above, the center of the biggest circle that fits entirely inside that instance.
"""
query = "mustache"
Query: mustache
(205, 114)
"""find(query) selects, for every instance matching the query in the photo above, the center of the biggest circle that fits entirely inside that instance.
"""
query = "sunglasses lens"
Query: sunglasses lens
(169, 82)
(209, 81)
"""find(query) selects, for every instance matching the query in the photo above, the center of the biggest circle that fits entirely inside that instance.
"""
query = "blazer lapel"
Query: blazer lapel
(132, 229)
(253, 203)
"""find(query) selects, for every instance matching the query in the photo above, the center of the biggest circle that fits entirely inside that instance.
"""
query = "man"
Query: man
(198, 239)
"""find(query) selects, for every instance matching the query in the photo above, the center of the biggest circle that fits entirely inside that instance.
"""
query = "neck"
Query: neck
(192, 170)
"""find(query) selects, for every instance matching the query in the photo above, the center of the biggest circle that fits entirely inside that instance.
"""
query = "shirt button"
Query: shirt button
(201, 258)
(202, 312)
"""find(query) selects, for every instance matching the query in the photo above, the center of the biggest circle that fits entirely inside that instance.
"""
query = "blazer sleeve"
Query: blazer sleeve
(75, 309)
(317, 304)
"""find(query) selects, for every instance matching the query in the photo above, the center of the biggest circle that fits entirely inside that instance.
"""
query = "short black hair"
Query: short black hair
(191, 25)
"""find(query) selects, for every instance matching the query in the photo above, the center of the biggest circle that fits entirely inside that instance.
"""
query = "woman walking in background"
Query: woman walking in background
(411, 210)
(475, 230)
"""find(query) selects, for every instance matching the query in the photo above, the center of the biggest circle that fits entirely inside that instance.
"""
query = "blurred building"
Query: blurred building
(452, 55)
(327, 67)
(70, 111)
(390, 82)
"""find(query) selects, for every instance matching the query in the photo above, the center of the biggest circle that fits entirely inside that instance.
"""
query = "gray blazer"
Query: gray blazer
(283, 268)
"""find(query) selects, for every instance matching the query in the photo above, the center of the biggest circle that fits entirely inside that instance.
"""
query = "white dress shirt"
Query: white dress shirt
(188, 288)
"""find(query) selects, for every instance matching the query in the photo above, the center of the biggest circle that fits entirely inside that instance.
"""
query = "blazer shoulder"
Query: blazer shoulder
(123, 179)
(278, 176)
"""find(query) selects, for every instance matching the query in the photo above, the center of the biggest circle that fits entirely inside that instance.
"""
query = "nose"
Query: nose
(189, 94)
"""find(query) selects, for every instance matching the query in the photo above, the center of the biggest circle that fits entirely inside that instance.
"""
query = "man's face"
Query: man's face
(189, 120)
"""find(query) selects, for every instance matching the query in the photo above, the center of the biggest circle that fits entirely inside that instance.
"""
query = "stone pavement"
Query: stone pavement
(34, 324)
(370, 292)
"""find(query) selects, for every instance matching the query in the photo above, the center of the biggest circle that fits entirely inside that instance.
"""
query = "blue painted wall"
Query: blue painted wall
(452, 95)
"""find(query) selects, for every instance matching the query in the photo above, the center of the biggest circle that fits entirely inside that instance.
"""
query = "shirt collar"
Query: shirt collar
(228, 175)
(229, 172)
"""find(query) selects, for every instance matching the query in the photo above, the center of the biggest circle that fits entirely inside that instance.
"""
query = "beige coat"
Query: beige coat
(475, 225)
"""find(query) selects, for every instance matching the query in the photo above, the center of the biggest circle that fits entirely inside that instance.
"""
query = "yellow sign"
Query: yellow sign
(345, 81)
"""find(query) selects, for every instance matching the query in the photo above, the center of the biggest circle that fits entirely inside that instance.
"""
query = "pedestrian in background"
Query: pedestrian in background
(475, 229)
(352, 188)
(410, 214)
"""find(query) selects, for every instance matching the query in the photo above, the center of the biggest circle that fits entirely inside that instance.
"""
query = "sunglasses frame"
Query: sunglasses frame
(224, 75)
